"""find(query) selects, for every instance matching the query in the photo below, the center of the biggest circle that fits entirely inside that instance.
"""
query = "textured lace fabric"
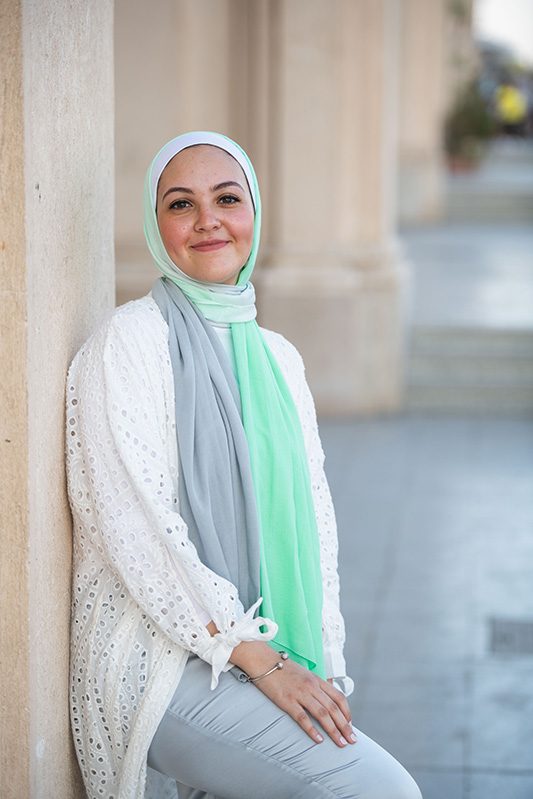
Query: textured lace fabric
(140, 593)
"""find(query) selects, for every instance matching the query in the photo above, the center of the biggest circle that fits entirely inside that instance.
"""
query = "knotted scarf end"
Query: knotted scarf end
(245, 629)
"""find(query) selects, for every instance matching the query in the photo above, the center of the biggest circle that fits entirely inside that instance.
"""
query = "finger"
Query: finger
(339, 699)
(336, 705)
(344, 726)
(330, 708)
(300, 717)
(331, 719)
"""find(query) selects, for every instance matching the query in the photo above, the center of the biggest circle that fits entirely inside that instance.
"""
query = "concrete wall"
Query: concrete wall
(57, 280)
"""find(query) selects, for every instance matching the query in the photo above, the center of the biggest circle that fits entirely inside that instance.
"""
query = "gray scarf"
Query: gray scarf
(215, 487)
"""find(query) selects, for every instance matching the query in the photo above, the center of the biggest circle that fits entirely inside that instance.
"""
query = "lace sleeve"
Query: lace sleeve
(122, 479)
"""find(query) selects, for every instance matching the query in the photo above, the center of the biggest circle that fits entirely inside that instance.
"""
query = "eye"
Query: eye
(179, 204)
(229, 199)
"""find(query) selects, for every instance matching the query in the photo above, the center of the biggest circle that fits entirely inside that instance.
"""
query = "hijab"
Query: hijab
(246, 492)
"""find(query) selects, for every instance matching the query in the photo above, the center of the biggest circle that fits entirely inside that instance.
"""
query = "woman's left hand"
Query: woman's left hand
(298, 692)
(305, 696)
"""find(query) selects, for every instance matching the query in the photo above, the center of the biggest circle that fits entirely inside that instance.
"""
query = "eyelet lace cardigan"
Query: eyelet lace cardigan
(140, 592)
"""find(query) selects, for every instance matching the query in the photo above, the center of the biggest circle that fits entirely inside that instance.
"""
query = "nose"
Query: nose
(207, 219)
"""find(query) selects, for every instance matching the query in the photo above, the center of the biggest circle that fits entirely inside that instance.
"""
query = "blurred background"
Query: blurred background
(393, 141)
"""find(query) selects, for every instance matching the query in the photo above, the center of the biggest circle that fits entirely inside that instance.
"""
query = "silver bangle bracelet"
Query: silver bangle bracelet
(279, 665)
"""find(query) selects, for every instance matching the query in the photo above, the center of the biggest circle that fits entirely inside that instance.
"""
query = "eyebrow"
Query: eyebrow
(218, 186)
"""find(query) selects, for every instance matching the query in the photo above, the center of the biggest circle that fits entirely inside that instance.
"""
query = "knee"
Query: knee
(392, 783)
(410, 790)
(403, 786)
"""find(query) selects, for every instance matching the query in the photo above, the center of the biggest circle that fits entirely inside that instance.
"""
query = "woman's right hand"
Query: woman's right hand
(298, 692)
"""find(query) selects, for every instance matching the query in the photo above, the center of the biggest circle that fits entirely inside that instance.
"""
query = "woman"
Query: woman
(195, 476)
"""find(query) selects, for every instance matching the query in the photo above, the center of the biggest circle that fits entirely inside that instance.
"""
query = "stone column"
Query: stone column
(56, 280)
(193, 75)
(332, 279)
(422, 100)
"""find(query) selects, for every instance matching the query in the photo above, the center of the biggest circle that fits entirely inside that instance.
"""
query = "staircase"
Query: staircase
(470, 369)
(495, 204)
(500, 191)
(471, 335)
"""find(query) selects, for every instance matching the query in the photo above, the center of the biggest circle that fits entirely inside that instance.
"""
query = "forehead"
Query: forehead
(201, 160)
(198, 139)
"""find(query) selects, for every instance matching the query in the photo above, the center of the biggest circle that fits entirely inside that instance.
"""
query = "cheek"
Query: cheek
(251, 232)
(246, 229)
(172, 234)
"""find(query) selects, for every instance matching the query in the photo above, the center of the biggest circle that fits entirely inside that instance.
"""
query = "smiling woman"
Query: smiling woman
(205, 214)
(196, 482)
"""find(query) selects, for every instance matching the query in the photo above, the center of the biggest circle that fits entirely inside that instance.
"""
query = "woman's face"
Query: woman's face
(205, 214)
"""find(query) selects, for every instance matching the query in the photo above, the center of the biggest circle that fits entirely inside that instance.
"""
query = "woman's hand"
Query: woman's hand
(298, 692)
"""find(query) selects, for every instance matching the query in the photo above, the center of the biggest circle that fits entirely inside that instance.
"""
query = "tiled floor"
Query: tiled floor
(435, 521)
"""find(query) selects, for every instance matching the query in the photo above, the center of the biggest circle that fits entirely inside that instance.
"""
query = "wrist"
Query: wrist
(253, 657)
(258, 677)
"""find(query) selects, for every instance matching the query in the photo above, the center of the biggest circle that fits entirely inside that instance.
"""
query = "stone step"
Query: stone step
(470, 369)
(471, 341)
(489, 399)
(506, 151)
(500, 190)
(489, 206)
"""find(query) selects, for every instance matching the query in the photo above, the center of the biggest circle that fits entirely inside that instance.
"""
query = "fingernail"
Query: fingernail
(343, 741)
(319, 738)
(353, 738)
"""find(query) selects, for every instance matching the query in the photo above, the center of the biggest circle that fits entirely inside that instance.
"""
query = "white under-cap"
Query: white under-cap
(176, 145)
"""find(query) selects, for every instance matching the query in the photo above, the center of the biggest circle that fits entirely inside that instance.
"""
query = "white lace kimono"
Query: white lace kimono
(140, 592)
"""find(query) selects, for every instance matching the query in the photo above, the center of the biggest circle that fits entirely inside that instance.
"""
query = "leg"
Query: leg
(184, 792)
(234, 742)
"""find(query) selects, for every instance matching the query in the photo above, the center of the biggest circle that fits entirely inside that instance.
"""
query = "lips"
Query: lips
(209, 245)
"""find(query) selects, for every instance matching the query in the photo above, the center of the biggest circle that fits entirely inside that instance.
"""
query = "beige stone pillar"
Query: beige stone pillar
(56, 281)
(193, 75)
(332, 279)
(422, 99)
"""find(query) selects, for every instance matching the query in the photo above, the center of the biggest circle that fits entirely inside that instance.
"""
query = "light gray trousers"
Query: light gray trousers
(234, 743)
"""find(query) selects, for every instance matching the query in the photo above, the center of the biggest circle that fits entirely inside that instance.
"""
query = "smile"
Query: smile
(208, 246)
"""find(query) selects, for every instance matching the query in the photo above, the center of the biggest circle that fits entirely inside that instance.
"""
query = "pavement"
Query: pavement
(435, 517)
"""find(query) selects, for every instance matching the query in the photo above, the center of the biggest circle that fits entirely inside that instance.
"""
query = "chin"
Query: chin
(219, 276)
(231, 280)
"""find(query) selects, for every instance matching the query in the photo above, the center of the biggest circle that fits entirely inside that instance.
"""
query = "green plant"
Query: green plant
(459, 10)
(469, 124)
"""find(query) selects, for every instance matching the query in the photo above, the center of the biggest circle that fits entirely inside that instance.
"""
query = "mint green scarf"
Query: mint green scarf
(290, 576)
